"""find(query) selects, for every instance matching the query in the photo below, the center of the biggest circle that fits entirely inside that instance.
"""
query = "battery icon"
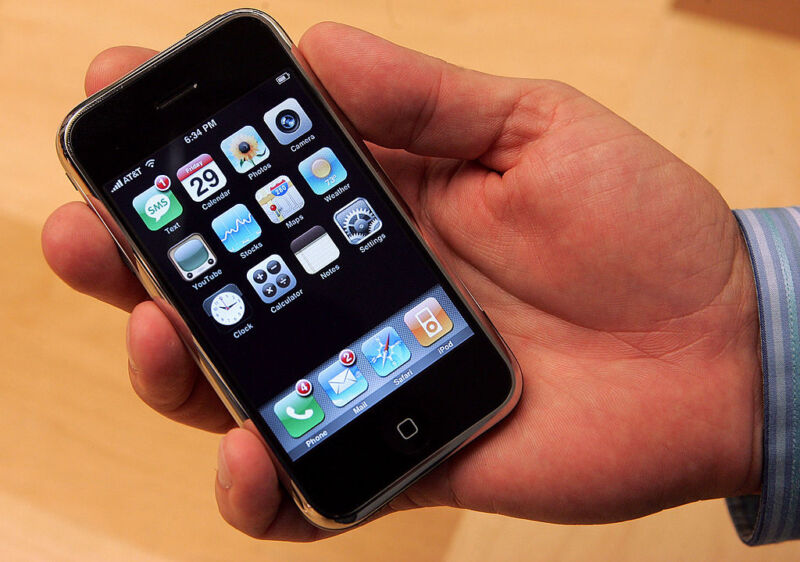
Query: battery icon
(282, 78)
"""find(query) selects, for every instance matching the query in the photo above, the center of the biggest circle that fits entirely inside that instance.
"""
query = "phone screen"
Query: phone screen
(290, 262)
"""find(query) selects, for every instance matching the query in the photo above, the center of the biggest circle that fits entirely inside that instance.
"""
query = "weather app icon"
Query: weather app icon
(357, 220)
(322, 170)
(236, 228)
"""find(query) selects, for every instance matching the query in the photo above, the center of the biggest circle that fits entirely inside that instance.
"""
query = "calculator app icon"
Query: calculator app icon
(271, 278)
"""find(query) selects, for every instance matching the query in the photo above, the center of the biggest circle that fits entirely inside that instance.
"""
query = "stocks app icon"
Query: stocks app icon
(236, 228)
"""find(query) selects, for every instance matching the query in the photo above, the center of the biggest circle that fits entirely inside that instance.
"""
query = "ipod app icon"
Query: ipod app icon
(428, 321)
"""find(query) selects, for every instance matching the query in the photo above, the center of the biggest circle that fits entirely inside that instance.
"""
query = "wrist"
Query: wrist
(748, 358)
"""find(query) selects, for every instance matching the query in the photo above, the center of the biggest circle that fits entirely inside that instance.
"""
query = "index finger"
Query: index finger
(112, 64)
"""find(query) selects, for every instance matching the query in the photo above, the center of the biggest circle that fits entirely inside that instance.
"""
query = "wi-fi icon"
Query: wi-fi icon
(150, 163)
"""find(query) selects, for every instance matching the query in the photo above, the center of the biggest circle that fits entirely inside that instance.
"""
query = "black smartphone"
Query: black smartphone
(267, 233)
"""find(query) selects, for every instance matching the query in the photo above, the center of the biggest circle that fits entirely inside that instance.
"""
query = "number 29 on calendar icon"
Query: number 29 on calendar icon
(201, 177)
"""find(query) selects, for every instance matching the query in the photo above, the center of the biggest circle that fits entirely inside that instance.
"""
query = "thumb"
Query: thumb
(400, 98)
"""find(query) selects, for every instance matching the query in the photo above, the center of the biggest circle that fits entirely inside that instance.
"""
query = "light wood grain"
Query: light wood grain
(87, 472)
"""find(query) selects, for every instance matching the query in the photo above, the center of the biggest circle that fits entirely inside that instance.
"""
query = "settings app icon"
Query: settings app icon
(357, 220)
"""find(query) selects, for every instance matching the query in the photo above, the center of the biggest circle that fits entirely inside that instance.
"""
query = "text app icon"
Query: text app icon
(314, 249)
(192, 256)
(236, 228)
(280, 199)
(322, 171)
(287, 121)
(226, 306)
(298, 414)
(428, 321)
(271, 278)
(385, 351)
(357, 220)
(157, 207)
(201, 177)
(342, 384)
(245, 149)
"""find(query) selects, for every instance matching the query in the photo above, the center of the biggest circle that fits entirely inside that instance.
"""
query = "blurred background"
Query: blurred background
(87, 472)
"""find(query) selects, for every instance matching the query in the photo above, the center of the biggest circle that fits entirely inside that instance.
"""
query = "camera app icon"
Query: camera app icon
(287, 121)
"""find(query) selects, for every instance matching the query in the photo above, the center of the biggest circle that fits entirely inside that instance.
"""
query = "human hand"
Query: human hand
(615, 273)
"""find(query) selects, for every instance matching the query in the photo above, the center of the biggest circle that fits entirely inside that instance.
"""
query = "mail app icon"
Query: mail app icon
(342, 384)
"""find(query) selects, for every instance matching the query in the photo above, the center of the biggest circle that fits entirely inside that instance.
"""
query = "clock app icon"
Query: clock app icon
(226, 306)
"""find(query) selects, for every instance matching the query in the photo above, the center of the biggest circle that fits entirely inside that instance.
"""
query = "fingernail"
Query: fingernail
(131, 364)
(223, 473)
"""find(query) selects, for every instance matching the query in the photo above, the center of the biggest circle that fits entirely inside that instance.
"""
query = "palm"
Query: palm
(615, 273)
(604, 277)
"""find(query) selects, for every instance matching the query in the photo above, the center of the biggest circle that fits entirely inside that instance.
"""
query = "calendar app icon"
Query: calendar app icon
(201, 177)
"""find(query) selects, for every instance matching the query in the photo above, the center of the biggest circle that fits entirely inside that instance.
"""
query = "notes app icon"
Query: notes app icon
(314, 249)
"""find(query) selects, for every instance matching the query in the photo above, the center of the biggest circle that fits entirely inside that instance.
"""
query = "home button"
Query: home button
(407, 429)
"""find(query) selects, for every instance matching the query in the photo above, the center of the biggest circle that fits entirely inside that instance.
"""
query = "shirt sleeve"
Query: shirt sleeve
(773, 239)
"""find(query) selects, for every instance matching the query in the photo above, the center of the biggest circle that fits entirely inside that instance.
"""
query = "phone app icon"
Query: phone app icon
(192, 256)
(280, 199)
(236, 228)
(322, 170)
(342, 383)
(201, 177)
(226, 306)
(157, 207)
(314, 249)
(298, 414)
(245, 149)
(287, 121)
(428, 321)
(386, 351)
(357, 220)
(271, 278)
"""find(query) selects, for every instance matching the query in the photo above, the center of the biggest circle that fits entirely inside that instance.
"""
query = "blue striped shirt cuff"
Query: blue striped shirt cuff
(773, 239)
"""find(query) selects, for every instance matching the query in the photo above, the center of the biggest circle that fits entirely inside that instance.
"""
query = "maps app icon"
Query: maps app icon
(280, 199)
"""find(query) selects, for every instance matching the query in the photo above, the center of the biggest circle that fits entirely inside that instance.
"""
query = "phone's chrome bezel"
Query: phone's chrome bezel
(137, 263)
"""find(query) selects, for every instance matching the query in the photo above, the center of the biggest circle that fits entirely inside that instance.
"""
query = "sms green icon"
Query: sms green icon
(298, 413)
(157, 207)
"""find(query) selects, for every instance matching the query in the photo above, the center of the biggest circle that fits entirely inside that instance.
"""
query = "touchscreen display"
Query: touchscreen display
(288, 262)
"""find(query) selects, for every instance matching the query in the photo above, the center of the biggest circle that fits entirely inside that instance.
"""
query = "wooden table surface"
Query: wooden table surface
(87, 472)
